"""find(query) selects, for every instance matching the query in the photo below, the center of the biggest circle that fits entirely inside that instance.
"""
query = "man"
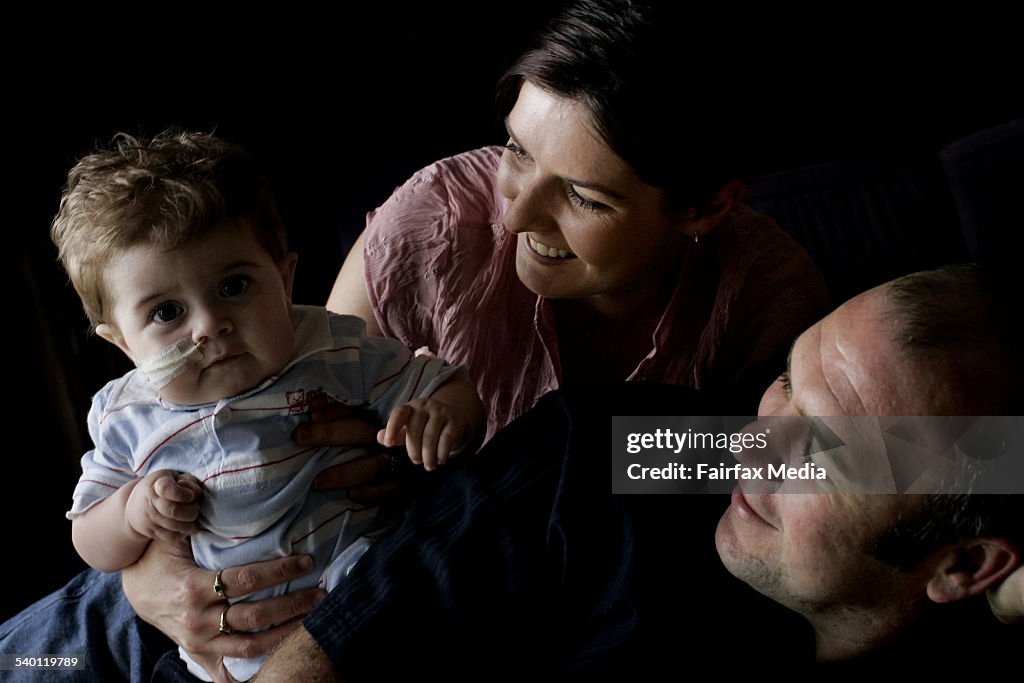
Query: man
(593, 584)
(864, 569)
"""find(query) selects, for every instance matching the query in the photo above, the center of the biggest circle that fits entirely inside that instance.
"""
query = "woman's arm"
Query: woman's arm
(349, 294)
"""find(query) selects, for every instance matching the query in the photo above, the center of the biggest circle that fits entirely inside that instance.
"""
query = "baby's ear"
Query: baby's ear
(112, 335)
(972, 567)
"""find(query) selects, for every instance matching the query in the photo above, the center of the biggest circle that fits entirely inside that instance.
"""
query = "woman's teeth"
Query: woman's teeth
(545, 250)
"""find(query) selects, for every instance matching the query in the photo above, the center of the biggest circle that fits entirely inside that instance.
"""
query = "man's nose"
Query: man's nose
(775, 440)
(774, 401)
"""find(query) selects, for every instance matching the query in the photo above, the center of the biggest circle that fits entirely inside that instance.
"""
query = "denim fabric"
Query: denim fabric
(90, 618)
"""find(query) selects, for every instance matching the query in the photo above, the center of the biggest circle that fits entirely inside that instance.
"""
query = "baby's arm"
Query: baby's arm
(114, 533)
(451, 419)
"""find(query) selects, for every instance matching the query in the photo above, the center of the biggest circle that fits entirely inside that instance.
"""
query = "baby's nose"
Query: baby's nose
(210, 325)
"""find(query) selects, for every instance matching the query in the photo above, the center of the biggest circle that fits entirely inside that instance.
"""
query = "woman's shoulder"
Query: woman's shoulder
(436, 240)
(757, 257)
(450, 205)
(769, 291)
(459, 188)
(745, 230)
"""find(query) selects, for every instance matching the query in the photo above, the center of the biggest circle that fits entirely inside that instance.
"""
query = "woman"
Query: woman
(605, 242)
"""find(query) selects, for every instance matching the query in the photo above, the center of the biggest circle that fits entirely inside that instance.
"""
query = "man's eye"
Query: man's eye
(165, 313)
(808, 447)
(234, 286)
(787, 385)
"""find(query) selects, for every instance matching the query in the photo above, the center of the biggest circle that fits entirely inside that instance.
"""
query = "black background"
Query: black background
(342, 106)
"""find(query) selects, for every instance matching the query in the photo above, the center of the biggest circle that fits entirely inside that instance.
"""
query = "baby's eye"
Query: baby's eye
(234, 285)
(166, 312)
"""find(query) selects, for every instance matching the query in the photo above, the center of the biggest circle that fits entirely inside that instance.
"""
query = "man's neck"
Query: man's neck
(846, 632)
(938, 638)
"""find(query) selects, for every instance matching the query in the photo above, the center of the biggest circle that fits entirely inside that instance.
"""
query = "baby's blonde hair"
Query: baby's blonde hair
(167, 191)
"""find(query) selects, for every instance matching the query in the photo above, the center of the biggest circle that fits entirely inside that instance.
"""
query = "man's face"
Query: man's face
(811, 551)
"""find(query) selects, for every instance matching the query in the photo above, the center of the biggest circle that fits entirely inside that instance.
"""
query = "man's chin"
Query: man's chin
(741, 561)
(728, 546)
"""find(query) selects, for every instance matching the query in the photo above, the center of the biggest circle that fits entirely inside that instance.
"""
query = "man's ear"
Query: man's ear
(701, 220)
(287, 268)
(971, 567)
(112, 335)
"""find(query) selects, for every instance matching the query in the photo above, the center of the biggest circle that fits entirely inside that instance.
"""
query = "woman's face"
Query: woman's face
(587, 225)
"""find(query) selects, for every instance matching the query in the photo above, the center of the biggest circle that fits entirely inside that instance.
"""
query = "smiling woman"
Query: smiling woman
(606, 241)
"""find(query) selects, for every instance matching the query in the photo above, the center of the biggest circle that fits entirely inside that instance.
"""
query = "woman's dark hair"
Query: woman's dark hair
(660, 82)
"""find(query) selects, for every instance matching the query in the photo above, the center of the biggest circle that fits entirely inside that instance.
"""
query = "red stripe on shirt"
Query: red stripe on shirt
(160, 445)
(392, 376)
(256, 467)
(321, 524)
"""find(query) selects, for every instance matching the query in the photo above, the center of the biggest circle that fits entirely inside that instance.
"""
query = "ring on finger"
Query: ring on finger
(224, 627)
(218, 585)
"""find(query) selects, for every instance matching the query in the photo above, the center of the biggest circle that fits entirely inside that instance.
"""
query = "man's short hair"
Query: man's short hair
(964, 320)
(948, 519)
(166, 191)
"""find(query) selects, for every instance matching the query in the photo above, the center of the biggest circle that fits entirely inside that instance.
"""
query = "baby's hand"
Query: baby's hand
(431, 430)
(164, 505)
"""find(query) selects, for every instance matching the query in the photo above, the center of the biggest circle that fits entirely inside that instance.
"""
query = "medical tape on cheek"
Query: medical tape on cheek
(162, 368)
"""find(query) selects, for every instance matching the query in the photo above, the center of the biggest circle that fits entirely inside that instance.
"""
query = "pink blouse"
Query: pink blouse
(440, 273)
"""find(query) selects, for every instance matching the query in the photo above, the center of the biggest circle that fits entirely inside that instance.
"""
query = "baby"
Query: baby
(178, 254)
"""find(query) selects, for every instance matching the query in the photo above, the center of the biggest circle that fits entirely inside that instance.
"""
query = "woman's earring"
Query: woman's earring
(696, 237)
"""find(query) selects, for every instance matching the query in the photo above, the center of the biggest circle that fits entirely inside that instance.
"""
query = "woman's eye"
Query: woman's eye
(234, 286)
(517, 151)
(582, 202)
(167, 312)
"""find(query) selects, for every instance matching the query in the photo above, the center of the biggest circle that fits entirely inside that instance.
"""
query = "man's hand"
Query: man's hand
(370, 480)
(169, 591)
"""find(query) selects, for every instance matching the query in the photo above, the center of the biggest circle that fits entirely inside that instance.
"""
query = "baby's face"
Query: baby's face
(224, 288)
